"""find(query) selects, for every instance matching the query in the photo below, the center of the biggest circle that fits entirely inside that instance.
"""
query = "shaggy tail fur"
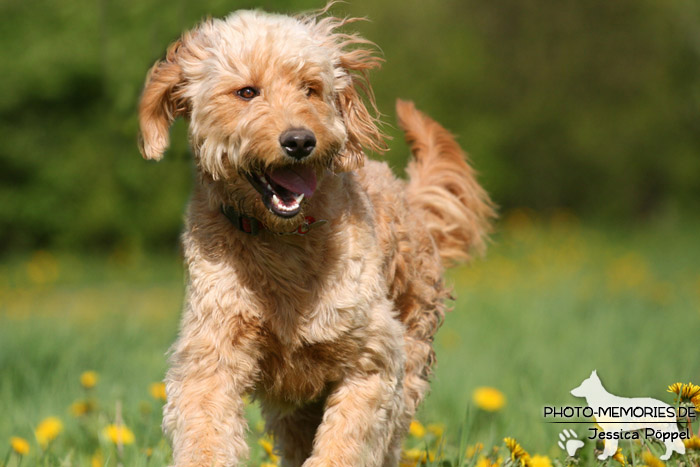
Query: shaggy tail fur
(443, 188)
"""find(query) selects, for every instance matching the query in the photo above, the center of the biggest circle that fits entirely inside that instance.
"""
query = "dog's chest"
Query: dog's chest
(301, 373)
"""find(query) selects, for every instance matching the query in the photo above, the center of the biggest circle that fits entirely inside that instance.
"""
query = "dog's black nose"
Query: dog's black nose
(298, 142)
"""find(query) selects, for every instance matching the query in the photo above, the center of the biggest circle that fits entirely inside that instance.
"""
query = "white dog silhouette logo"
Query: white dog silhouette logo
(617, 415)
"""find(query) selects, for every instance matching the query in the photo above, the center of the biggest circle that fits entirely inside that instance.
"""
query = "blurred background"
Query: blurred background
(588, 106)
(581, 117)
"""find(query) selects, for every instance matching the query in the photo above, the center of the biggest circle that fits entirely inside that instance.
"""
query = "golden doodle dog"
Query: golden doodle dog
(314, 275)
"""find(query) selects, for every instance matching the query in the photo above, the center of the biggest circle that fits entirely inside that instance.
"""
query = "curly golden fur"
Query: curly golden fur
(331, 331)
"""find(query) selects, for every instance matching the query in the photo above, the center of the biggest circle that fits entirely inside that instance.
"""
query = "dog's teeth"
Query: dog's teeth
(298, 198)
(282, 206)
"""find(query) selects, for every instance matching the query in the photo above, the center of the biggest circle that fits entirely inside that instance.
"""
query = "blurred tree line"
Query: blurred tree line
(588, 105)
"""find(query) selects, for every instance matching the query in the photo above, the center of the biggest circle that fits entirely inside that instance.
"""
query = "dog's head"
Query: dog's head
(273, 103)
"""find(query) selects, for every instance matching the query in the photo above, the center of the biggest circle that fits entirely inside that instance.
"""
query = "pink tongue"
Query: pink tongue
(298, 179)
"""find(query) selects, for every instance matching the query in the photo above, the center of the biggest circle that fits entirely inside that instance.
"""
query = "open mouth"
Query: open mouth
(284, 188)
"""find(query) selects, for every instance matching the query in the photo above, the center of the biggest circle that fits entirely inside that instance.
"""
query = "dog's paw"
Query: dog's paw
(569, 442)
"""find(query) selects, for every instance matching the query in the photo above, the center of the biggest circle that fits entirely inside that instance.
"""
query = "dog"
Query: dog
(617, 415)
(314, 274)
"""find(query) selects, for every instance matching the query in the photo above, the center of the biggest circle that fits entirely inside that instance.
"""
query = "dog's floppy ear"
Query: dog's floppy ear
(161, 103)
(360, 124)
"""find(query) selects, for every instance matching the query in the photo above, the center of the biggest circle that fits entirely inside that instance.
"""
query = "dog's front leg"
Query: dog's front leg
(363, 411)
(210, 372)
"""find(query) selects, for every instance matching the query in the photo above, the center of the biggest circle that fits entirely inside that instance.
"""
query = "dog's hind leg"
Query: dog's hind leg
(419, 358)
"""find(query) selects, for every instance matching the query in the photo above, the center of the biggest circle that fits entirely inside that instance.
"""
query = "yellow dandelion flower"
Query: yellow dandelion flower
(652, 461)
(157, 391)
(416, 429)
(19, 445)
(259, 426)
(267, 446)
(413, 454)
(418, 455)
(88, 379)
(692, 443)
(489, 399)
(119, 434)
(47, 430)
(436, 429)
(540, 461)
(81, 407)
(696, 402)
(474, 450)
(628, 272)
(42, 268)
(517, 453)
(268, 464)
(97, 460)
(686, 391)
(619, 457)
(486, 462)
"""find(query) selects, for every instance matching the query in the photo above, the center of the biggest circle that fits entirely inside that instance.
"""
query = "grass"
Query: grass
(552, 301)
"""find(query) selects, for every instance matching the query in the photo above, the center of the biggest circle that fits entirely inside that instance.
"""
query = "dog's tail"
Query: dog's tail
(442, 189)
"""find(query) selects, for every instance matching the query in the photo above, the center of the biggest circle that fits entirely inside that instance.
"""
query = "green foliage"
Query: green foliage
(593, 106)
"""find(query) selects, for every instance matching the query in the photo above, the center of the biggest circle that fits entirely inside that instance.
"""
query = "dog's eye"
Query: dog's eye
(311, 91)
(247, 93)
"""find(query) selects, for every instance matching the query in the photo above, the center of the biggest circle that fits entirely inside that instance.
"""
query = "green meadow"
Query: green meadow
(552, 300)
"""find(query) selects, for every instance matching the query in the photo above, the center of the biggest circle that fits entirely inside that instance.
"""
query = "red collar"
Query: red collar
(252, 226)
